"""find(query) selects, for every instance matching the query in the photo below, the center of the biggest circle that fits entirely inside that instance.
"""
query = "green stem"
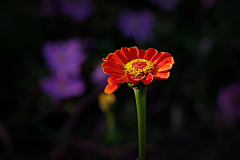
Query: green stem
(111, 133)
(140, 95)
(110, 127)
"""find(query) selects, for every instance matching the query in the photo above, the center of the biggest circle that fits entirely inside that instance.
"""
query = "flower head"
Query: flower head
(64, 56)
(137, 25)
(62, 86)
(79, 10)
(136, 66)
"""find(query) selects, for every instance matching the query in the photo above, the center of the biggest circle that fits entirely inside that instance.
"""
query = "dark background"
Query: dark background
(181, 111)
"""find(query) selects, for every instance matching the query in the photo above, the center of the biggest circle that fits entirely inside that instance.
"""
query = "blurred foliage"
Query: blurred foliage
(181, 121)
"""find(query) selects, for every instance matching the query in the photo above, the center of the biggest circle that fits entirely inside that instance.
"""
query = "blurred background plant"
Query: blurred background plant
(52, 51)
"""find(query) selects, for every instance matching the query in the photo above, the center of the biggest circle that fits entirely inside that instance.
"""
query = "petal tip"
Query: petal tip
(110, 88)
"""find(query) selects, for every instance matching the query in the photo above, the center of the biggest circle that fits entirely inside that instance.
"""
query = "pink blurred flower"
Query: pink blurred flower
(64, 56)
(137, 25)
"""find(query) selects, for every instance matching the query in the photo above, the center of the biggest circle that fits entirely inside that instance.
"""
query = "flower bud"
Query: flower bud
(105, 101)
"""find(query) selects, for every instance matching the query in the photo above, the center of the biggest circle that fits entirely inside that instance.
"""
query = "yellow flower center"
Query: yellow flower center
(138, 68)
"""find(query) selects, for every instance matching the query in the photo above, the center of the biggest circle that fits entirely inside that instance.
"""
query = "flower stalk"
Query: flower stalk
(140, 96)
(106, 102)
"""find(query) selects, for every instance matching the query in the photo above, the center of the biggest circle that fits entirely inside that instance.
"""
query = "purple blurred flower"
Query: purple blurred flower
(48, 7)
(137, 25)
(207, 4)
(62, 86)
(167, 5)
(205, 44)
(98, 76)
(64, 56)
(229, 105)
(79, 10)
(235, 44)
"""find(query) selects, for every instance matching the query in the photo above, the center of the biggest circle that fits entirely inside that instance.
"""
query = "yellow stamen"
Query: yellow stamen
(138, 67)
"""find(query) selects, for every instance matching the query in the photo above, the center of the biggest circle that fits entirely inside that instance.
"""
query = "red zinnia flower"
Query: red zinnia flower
(136, 66)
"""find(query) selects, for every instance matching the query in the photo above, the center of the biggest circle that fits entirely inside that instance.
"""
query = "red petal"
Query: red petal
(105, 64)
(127, 53)
(156, 56)
(114, 59)
(159, 57)
(110, 88)
(123, 78)
(111, 69)
(142, 54)
(148, 79)
(165, 67)
(121, 56)
(169, 60)
(113, 80)
(134, 52)
(150, 53)
(130, 79)
(162, 75)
